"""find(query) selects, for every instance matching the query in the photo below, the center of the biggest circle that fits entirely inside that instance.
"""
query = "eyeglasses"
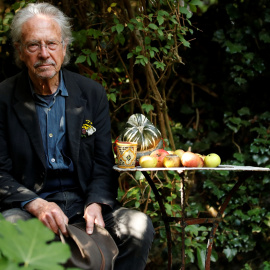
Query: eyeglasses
(51, 45)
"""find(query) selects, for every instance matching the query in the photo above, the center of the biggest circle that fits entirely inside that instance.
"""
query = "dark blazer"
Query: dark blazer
(22, 159)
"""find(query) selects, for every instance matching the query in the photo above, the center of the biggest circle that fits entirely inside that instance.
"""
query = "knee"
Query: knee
(141, 228)
(15, 214)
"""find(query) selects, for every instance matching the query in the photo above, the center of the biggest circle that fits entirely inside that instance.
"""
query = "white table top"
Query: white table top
(182, 169)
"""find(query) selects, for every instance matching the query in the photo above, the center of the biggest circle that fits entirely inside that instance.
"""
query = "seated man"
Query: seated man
(55, 144)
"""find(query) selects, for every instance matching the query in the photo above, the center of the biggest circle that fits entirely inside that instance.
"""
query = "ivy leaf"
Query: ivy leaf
(26, 243)
(264, 36)
(230, 253)
(240, 81)
(193, 229)
(234, 48)
(111, 97)
(147, 107)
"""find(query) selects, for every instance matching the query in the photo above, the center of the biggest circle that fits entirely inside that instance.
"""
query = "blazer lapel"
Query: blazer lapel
(25, 109)
(75, 106)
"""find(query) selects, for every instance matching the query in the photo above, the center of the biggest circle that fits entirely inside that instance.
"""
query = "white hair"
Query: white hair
(46, 9)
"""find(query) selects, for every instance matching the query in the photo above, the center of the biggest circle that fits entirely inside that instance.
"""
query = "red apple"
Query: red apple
(190, 159)
(159, 154)
(171, 160)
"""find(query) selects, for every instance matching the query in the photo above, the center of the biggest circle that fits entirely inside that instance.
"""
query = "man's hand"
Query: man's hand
(49, 213)
(93, 214)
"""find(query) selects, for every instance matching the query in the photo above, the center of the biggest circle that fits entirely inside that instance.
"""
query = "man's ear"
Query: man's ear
(65, 42)
(18, 49)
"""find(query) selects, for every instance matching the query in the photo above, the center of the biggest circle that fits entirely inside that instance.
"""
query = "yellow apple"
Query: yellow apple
(212, 160)
(171, 160)
(179, 152)
(147, 161)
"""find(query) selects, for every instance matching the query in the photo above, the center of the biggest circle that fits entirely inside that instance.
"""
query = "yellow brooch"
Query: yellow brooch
(87, 128)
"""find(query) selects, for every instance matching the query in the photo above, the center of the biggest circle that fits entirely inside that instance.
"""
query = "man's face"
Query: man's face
(43, 63)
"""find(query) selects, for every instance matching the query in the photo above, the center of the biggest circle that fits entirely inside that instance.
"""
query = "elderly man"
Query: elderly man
(55, 145)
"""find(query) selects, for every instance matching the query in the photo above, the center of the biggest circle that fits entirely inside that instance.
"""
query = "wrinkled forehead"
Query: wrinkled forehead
(41, 27)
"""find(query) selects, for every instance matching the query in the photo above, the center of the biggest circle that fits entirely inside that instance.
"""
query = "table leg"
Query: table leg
(216, 223)
(183, 223)
(164, 217)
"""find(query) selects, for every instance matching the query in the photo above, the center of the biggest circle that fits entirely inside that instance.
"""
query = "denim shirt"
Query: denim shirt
(51, 114)
(52, 121)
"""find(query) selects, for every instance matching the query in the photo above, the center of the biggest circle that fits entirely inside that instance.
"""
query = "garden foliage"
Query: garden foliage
(198, 70)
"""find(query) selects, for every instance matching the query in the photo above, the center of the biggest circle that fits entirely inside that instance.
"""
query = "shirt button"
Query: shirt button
(52, 160)
(50, 135)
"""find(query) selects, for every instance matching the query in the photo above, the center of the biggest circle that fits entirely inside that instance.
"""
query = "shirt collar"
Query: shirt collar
(62, 87)
(62, 90)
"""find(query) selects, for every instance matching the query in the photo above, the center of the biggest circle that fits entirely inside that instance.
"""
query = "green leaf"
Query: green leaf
(26, 242)
(147, 40)
(193, 230)
(129, 55)
(201, 253)
(130, 26)
(160, 65)
(111, 97)
(160, 20)
(234, 47)
(264, 36)
(138, 49)
(244, 111)
(196, 2)
(93, 57)
(230, 253)
(80, 59)
(240, 81)
(147, 107)
(153, 26)
(119, 28)
(88, 60)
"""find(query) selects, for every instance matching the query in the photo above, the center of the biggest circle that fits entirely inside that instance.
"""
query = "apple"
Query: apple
(179, 152)
(147, 161)
(170, 152)
(212, 160)
(190, 159)
(171, 160)
(159, 154)
(201, 156)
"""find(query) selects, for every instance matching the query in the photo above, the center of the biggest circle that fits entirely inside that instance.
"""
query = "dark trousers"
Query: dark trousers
(132, 230)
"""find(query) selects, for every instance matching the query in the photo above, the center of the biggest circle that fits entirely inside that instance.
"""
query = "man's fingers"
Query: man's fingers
(61, 221)
(89, 223)
(50, 214)
(99, 220)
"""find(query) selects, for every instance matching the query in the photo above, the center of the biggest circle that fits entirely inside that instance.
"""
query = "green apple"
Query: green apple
(148, 162)
(212, 160)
